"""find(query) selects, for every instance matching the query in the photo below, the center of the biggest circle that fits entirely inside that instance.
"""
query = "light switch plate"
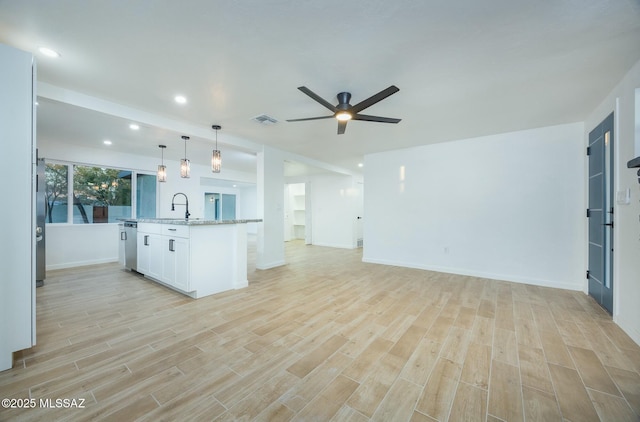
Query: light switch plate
(623, 197)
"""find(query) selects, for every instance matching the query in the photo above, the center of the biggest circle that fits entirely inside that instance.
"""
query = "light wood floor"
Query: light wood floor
(323, 338)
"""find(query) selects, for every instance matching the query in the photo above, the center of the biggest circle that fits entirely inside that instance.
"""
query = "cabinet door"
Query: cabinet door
(183, 275)
(176, 262)
(168, 261)
(150, 254)
(121, 243)
(143, 253)
(154, 242)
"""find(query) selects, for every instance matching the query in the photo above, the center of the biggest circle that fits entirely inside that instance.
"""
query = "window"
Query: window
(145, 196)
(57, 190)
(101, 195)
(98, 194)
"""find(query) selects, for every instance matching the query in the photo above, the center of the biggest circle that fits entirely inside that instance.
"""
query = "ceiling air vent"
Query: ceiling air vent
(263, 119)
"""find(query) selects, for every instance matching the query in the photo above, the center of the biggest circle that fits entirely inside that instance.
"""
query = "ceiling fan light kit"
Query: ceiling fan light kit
(344, 111)
(343, 116)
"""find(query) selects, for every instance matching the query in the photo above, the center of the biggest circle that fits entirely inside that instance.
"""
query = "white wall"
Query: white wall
(333, 210)
(248, 207)
(70, 245)
(626, 272)
(74, 245)
(507, 207)
(637, 124)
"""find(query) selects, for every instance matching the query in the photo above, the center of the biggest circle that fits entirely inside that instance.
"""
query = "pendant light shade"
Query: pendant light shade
(162, 169)
(216, 161)
(216, 157)
(185, 164)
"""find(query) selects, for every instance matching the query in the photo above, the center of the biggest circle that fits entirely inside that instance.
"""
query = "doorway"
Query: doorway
(219, 206)
(600, 213)
(297, 215)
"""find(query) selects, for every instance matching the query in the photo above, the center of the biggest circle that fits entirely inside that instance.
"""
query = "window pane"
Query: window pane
(145, 196)
(101, 195)
(57, 177)
(228, 207)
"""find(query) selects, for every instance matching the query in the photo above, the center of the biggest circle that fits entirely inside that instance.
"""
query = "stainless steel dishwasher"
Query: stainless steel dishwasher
(131, 245)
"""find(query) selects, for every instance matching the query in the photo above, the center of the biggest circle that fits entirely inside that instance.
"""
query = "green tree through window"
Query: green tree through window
(57, 189)
(101, 195)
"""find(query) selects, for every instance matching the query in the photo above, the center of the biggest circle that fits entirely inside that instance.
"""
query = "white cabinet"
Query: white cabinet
(163, 254)
(197, 260)
(175, 256)
(121, 244)
(149, 250)
(143, 253)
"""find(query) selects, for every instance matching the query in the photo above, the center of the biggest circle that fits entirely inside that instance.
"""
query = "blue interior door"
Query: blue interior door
(600, 213)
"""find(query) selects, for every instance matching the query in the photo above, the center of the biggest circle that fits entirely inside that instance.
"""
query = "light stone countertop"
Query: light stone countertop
(194, 221)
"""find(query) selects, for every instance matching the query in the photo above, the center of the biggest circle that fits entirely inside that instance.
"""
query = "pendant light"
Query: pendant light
(185, 165)
(216, 158)
(162, 169)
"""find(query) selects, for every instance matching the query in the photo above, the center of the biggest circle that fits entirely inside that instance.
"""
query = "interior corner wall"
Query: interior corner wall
(626, 257)
(506, 207)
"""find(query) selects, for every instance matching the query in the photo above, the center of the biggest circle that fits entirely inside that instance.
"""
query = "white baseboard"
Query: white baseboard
(64, 265)
(270, 265)
(241, 284)
(334, 245)
(493, 276)
(628, 328)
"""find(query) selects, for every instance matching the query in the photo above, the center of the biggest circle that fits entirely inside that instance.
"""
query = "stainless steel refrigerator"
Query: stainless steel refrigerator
(41, 211)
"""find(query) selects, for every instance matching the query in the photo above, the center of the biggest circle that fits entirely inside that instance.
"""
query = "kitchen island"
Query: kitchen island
(195, 257)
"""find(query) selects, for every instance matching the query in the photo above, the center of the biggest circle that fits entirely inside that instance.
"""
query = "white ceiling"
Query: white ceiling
(464, 68)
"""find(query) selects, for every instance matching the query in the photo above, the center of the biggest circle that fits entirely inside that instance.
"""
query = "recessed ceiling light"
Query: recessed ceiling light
(360, 165)
(134, 126)
(180, 99)
(107, 142)
(48, 52)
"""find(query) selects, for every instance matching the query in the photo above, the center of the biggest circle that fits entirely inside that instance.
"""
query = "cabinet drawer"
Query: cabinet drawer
(152, 228)
(175, 230)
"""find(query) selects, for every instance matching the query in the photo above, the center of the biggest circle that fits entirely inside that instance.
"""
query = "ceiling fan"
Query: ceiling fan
(345, 111)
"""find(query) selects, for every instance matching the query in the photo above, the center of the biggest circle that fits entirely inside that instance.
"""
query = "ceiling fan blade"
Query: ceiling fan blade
(342, 126)
(318, 98)
(375, 98)
(310, 118)
(375, 118)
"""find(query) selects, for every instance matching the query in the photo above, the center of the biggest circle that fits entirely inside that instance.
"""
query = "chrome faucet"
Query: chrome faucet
(173, 205)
